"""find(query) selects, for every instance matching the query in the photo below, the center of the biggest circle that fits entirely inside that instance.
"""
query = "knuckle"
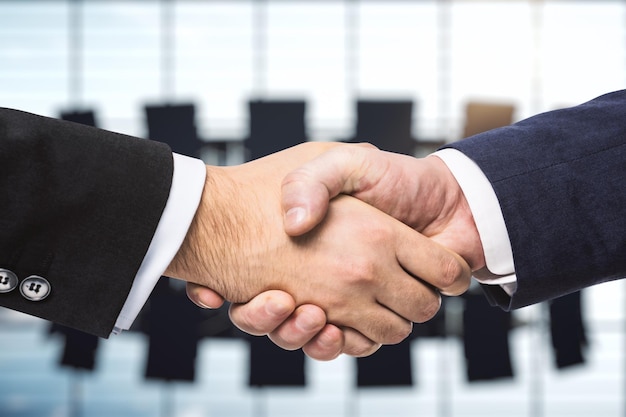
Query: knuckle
(452, 273)
(326, 346)
(429, 308)
(367, 145)
(398, 334)
(320, 354)
(362, 270)
(244, 320)
(362, 349)
(295, 177)
(388, 331)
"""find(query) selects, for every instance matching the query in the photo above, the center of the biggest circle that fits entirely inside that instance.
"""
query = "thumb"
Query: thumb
(305, 200)
(307, 191)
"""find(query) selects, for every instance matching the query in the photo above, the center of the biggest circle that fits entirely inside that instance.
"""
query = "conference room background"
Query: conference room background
(216, 61)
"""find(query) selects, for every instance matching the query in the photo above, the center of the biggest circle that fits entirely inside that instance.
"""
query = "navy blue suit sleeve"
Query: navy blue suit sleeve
(560, 178)
(79, 207)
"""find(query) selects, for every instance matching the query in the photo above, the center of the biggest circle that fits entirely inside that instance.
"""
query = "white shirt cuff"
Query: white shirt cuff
(485, 208)
(182, 203)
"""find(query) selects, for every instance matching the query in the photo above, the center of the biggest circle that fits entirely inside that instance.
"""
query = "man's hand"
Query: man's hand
(274, 314)
(420, 192)
(372, 275)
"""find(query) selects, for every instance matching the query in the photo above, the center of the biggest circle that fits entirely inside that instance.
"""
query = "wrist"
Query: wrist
(461, 234)
(205, 241)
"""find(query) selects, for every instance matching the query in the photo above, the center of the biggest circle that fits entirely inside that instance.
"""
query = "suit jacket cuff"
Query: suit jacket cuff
(184, 198)
(487, 216)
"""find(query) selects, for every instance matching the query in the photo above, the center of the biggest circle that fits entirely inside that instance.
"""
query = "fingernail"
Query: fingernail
(201, 303)
(295, 216)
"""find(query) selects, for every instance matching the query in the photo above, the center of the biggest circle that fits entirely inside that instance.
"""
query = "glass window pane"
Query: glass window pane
(306, 59)
(213, 54)
(34, 55)
(398, 57)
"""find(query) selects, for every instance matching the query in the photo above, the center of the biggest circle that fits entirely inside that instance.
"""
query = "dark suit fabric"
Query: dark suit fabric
(80, 348)
(83, 205)
(560, 178)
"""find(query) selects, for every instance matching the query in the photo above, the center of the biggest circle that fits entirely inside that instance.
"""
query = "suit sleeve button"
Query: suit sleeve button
(8, 281)
(35, 288)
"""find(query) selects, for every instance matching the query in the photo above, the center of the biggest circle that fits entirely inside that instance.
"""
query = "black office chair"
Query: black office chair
(567, 330)
(274, 125)
(391, 366)
(175, 125)
(85, 117)
(485, 339)
(386, 124)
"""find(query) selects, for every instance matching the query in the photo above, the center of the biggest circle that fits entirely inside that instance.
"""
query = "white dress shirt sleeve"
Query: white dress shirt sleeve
(485, 208)
(182, 203)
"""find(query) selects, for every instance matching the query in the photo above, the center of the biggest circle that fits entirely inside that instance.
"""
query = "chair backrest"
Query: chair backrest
(175, 125)
(85, 117)
(274, 125)
(386, 124)
(482, 116)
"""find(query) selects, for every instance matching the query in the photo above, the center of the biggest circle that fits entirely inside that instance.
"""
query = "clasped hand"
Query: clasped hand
(318, 247)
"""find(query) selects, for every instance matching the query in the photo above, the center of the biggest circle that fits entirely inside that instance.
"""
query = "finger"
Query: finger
(204, 297)
(357, 345)
(413, 300)
(435, 269)
(306, 191)
(263, 313)
(375, 322)
(326, 345)
(432, 263)
(407, 296)
(299, 328)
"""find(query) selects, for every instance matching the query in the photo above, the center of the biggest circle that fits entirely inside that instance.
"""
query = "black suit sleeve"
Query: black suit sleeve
(79, 207)
(560, 178)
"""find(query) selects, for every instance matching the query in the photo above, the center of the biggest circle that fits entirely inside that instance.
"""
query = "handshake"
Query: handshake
(332, 248)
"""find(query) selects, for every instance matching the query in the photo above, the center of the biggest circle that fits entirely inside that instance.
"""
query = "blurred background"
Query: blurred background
(232, 80)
